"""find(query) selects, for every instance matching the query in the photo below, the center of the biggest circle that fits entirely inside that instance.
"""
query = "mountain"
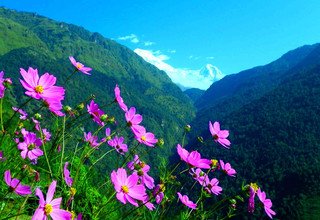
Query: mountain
(211, 72)
(27, 39)
(272, 113)
(194, 94)
(183, 77)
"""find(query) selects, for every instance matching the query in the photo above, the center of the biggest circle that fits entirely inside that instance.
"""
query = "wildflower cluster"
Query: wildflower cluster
(40, 150)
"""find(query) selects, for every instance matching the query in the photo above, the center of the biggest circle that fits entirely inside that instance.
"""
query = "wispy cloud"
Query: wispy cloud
(132, 38)
(209, 58)
(192, 57)
(201, 78)
(171, 51)
(148, 43)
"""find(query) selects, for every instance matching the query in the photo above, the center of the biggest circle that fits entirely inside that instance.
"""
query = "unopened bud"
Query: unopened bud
(80, 106)
(187, 128)
(104, 117)
(233, 201)
(111, 120)
(200, 139)
(37, 116)
(37, 176)
(160, 142)
(67, 108)
(7, 82)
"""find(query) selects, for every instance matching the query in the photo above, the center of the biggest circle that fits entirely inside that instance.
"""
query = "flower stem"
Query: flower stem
(62, 153)
(45, 152)
(1, 103)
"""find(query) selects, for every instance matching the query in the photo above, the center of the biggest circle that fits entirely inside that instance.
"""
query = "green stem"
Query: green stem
(109, 199)
(62, 153)
(1, 103)
(69, 77)
(45, 152)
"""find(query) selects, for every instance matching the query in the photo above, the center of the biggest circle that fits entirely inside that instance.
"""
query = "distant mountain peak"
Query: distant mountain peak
(212, 72)
(185, 78)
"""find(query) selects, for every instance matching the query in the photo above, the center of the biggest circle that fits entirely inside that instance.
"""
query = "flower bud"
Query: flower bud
(187, 128)
(200, 139)
(111, 120)
(67, 108)
(160, 142)
(80, 106)
(104, 117)
(37, 116)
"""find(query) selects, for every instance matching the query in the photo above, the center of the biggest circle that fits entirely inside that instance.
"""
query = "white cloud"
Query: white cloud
(171, 51)
(191, 57)
(148, 43)
(209, 58)
(132, 38)
(201, 78)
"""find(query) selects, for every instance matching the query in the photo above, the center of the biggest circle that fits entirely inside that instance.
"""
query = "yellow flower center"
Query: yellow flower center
(39, 89)
(142, 164)
(162, 187)
(73, 191)
(254, 186)
(73, 215)
(48, 209)
(214, 162)
(125, 189)
(143, 138)
(79, 65)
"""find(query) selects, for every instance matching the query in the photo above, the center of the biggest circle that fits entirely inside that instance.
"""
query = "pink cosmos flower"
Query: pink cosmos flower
(127, 188)
(47, 134)
(185, 200)
(2, 158)
(54, 105)
(23, 114)
(117, 143)
(132, 118)
(92, 140)
(148, 204)
(2, 87)
(95, 112)
(41, 88)
(50, 206)
(36, 124)
(199, 175)
(79, 66)
(158, 193)
(227, 169)
(252, 194)
(212, 186)
(266, 203)
(142, 170)
(219, 135)
(119, 99)
(193, 159)
(3, 81)
(108, 135)
(146, 138)
(66, 174)
(15, 185)
(30, 146)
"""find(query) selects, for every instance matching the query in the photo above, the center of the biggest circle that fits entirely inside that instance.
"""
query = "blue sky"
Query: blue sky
(232, 35)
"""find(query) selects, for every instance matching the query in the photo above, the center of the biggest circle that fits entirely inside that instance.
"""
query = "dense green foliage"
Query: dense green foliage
(194, 94)
(273, 115)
